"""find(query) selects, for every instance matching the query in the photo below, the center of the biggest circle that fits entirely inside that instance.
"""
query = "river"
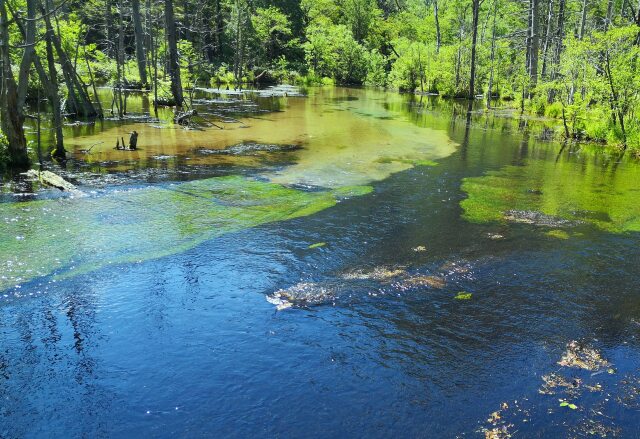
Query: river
(346, 263)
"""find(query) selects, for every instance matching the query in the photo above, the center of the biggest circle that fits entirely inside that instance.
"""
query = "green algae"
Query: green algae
(583, 191)
(66, 237)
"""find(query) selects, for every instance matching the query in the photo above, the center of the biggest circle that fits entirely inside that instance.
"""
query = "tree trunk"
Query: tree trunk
(535, 45)
(583, 20)
(547, 39)
(12, 117)
(139, 37)
(51, 84)
(474, 38)
(174, 62)
(493, 53)
(438, 36)
(79, 100)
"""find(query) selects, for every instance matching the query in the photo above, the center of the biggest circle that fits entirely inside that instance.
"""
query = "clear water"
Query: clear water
(140, 308)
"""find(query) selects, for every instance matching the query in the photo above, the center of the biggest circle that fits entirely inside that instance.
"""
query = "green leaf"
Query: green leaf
(317, 245)
(463, 295)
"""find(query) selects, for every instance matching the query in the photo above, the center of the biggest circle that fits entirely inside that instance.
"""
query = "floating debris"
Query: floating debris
(317, 245)
(583, 357)
(463, 295)
(630, 395)
(554, 383)
(498, 427)
(419, 249)
(568, 404)
(497, 433)
(495, 236)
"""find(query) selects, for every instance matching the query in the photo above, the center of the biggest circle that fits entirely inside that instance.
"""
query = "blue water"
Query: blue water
(187, 346)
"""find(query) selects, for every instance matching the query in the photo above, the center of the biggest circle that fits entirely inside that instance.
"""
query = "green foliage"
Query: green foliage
(333, 52)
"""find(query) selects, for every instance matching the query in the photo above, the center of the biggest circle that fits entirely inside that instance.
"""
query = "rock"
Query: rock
(48, 178)
(378, 273)
(424, 281)
(303, 294)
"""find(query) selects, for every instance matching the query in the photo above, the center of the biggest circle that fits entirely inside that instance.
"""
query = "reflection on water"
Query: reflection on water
(183, 342)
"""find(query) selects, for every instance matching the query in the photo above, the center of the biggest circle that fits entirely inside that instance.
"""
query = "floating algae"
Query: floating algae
(582, 356)
(557, 194)
(70, 236)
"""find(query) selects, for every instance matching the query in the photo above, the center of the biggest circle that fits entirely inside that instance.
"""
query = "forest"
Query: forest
(575, 61)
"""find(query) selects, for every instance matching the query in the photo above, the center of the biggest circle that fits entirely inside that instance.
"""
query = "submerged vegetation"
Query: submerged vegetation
(607, 200)
(185, 215)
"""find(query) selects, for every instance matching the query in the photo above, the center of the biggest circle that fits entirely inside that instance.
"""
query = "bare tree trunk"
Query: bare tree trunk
(547, 39)
(29, 53)
(474, 38)
(438, 36)
(535, 45)
(493, 53)
(174, 62)
(139, 37)
(583, 20)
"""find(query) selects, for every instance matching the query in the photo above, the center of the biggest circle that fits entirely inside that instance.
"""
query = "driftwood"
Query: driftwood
(184, 118)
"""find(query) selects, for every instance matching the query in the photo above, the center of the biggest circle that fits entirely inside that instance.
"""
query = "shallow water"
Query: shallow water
(140, 308)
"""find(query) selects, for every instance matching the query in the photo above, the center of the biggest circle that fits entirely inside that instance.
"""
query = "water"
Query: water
(146, 313)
